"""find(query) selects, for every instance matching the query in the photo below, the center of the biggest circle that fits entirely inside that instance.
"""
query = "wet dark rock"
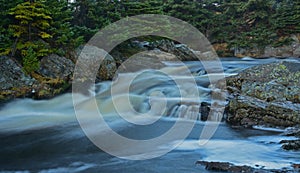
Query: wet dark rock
(267, 95)
(225, 166)
(204, 110)
(291, 144)
(292, 132)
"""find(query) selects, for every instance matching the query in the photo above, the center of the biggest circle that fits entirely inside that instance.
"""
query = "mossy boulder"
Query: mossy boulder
(54, 77)
(267, 95)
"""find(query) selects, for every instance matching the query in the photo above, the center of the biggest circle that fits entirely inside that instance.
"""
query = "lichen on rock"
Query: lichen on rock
(266, 95)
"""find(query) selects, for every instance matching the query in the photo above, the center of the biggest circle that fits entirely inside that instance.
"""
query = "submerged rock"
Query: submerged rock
(268, 95)
(291, 144)
(292, 132)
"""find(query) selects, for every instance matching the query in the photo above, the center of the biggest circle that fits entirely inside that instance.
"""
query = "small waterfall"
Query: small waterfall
(186, 112)
(203, 112)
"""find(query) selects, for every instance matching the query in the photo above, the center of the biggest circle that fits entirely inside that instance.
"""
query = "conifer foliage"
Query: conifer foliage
(31, 28)
(40, 27)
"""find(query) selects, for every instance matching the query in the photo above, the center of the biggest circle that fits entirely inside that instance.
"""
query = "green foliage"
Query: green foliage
(48, 26)
(90, 16)
(30, 61)
(132, 8)
(287, 17)
(6, 34)
(30, 29)
(64, 36)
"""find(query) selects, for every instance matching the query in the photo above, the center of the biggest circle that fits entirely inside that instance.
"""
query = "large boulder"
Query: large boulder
(145, 61)
(12, 74)
(181, 51)
(268, 95)
(53, 77)
(13, 81)
(91, 57)
(54, 66)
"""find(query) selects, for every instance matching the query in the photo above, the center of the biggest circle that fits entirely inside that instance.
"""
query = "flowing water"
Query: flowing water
(44, 136)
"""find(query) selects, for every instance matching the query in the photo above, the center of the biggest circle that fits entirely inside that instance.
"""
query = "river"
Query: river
(44, 136)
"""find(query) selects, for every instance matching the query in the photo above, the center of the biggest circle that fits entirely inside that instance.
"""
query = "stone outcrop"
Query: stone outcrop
(13, 81)
(181, 51)
(267, 95)
(92, 57)
(291, 144)
(231, 168)
(54, 66)
(53, 77)
(290, 50)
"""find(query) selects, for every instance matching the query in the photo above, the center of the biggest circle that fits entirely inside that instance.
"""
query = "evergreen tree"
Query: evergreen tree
(31, 28)
(64, 37)
(136, 7)
(6, 35)
(287, 17)
(203, 15)
(30, 61)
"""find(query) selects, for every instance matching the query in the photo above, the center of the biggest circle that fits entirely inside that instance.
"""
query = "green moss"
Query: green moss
(2, 97)
(43, 93)
(283, 67)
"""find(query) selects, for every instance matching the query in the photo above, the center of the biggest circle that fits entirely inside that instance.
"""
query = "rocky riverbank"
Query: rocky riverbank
(231, 168)
(55, 75)
(290, 50)
(267, 95)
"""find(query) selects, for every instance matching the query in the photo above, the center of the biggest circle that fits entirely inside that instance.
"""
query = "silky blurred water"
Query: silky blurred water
(44, 136)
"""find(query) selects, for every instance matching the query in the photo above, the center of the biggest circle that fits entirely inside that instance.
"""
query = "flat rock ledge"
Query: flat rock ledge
(231, 168)
(267, 95)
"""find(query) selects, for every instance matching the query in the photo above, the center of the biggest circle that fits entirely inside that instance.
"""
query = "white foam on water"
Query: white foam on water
(268, 129)
(72, 168)
(241, 152)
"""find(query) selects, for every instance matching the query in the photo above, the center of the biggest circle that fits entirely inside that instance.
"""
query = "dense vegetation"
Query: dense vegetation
(34, 28)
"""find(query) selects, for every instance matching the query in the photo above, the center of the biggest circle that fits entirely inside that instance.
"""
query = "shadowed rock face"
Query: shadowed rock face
(13, 81)
(265, 95)
(12, 75)
(291, 144)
